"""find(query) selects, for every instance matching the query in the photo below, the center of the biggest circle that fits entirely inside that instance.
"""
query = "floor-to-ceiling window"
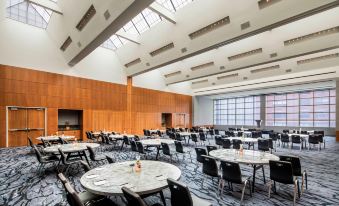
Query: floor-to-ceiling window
(301, 109)
(237, 111)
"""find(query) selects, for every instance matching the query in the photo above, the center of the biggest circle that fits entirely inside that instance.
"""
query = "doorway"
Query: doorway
(24, 122)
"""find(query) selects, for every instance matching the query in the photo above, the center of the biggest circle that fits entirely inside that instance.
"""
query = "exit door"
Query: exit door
(24, 122)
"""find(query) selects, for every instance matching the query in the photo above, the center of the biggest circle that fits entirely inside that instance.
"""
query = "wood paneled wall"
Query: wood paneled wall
(105, 105)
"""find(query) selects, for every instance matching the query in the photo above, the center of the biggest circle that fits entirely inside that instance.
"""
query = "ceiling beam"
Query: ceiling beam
(47, 4)
(130, 37)
(157, 8)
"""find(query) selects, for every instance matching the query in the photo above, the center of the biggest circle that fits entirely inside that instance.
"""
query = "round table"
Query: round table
(120, 136)
(156, 143)
(109, 179)
(72, 148)
(255, 158)
(244, 139)
(55, 137)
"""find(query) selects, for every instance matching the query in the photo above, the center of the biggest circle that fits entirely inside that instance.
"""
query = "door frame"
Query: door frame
(8, 107)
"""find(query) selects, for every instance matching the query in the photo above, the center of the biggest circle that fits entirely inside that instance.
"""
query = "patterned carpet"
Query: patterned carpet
(20, 184)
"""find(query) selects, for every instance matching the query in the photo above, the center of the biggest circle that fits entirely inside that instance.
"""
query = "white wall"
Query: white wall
(202, 111)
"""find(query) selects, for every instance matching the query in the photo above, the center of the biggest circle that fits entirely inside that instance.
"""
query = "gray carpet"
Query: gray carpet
(20, 184)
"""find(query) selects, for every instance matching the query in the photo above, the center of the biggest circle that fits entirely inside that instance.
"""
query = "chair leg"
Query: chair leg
(263, 174)
(269, 188)
(243, 191)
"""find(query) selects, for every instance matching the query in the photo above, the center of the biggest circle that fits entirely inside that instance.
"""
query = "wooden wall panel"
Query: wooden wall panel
(105, 105)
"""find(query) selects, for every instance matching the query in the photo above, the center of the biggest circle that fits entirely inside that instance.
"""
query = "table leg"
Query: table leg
(158, 151)
(84, 153)
(253, 182)
(162, 198)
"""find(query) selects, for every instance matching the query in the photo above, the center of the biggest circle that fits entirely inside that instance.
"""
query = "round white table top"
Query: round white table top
(248, 157)
(187, 133)
(156, 142)
(120, 136)
(301, 135)
(54, 137)
(244, 139)
(108, 179)
(74, 147)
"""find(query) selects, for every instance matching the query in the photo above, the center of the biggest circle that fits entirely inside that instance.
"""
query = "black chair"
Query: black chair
(210, 148)
(286, 131)
(230, 172)
(63, 141)
(142, 150)
(263, 145)
(314, 140)
(218, 140)
(85, 166)
(226, 143)
(133, 199)
(296, 139)
(203, 138)
(178, 137)
(180, 195)
(44, 159)
(83, 199)
(125, 142)
(66, 161)
(166, 150)
(179, 148)
(282, 172)
(236, 143)
(240, 134)
(321, 137)
(134, 147)
(94, 157)
(285, 139)
(297, 171)
(209, 168)
(216, 131)
(194, 138)
(45, 143)
(200, 151)
(275, 137)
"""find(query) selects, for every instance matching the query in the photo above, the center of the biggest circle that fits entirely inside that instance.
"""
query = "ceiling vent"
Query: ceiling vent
(135, 61)
(273, 55)
(107, 15)
(245, 25)
(172, 74)
(67, 42)
(202, 66)
(288, 70)
(245, 54)
(228, 76)
(265, 69)
(183, 50)
(86, 18)
(245, 78)
(312, 36)
(210, 27)
(79, 44)
(200, 82)
(222, 67)
(162, 49)
(320, 58)
(266, 3)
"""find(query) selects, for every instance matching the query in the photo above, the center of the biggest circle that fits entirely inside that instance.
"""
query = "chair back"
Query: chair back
(62, 141)
(320, 132)
(30, 141)
(210, 148)
(178, 137)
(263, 145)
(194, 137)
(286, 131)
(179, 147)
(44, 143)
(125, 140)
(295, 161)
(110, 160)
(303, 132)
(226, 143)
(85, 166)
(133, 199)
(72, 196)
(63, 156)
(91, 153)
(165, 148)
(240, 134)
(231, 172)
(236, 143)
(133, 146)
(273, 136)
(218, 140)
(180, 194)
(281, 171)
(320, 138)
(285, 137)
(200, 151)
(211, 131)
(313, 139)
(209, 166)
(37, 153)
(159, 133)
(296, 139)
(216, 131)
(140, 147)
(202, 136)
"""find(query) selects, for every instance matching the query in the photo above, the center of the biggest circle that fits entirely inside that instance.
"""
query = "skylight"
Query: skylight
(173, 5)
(28, 13)
(114, 42)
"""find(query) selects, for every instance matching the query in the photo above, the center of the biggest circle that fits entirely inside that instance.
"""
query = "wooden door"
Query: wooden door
(35, 123)
(17, 127)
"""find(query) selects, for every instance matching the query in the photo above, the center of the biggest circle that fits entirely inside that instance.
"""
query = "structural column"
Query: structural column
(128, 118)
(262, 111)
(337, 109)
